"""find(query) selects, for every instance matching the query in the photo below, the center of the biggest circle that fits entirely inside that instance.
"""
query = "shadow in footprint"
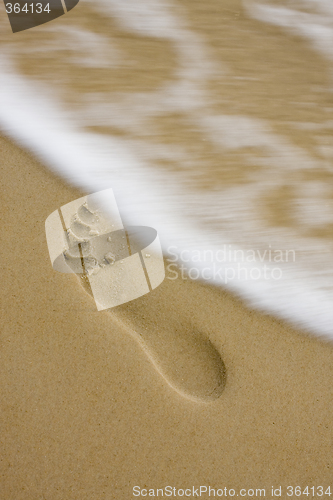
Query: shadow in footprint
(181, 353)
(160, 321)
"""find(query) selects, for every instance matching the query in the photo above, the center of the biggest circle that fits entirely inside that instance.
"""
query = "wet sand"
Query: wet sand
(85, 414)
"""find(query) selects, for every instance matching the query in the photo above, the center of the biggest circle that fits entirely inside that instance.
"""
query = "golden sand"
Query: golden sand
(85, 414)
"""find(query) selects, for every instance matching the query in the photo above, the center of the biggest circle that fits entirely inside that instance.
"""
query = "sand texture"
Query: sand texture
(85, 414)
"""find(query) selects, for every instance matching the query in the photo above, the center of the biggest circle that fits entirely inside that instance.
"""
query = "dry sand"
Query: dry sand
(85, 415)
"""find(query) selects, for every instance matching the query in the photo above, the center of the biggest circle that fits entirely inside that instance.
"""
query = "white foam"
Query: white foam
(186, 218)
(316, 27)
(145, 198)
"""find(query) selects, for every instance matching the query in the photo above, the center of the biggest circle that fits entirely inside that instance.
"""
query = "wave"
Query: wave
(199, 142)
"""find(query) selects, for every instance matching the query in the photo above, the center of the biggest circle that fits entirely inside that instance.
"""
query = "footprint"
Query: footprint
(180, 352)
(183, 355)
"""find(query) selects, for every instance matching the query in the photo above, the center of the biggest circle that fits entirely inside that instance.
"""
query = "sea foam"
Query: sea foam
(187, 217)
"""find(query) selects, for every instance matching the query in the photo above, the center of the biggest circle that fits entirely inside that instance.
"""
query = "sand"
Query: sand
(86, 415)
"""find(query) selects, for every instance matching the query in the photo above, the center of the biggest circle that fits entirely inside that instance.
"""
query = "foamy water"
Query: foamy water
(219, 137)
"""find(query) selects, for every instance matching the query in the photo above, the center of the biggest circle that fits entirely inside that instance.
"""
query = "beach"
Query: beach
(212, 124)
(85, 414)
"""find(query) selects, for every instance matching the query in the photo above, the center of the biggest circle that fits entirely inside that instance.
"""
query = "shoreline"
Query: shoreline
(85, 413)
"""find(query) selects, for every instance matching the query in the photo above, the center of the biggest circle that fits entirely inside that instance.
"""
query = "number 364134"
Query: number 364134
(15, 8)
